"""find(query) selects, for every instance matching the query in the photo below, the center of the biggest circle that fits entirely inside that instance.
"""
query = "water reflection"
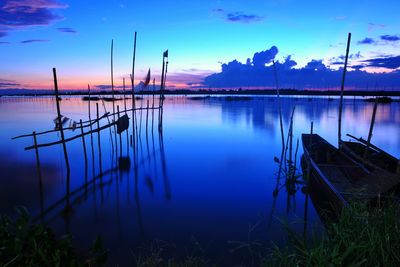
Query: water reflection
(208, 174)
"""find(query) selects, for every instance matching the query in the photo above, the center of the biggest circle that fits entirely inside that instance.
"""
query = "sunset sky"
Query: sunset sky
(75, 37)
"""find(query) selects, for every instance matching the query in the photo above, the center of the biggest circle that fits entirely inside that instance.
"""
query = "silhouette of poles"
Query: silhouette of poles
(40, 178)
(341, 92)
(279, 104)
(60, 126)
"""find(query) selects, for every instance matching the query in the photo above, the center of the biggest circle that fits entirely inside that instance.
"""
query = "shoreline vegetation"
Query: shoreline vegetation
(360, 236)
(267, 92)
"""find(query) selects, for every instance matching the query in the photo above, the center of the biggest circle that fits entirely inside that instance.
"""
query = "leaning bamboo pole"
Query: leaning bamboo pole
(59, 121)
(279, 104)
(341, 92)
(371, 128)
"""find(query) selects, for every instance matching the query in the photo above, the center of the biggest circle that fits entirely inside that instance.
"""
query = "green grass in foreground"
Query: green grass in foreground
(361, 237)
(23, 243)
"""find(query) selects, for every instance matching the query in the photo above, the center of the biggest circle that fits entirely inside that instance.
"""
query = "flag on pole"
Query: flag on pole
(147, 80)
(165, 53)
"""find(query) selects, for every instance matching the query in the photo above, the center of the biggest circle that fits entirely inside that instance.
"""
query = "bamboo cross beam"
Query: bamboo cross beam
(72, 138)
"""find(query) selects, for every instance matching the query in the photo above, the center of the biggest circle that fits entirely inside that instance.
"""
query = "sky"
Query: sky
(211, 43)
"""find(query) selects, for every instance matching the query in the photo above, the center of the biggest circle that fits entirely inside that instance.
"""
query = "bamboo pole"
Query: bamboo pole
(279, 103)
(91, 130)
(341, 92)
(120, 135)
(132, 75)
(123, 86)
(84, 144)
(59, 121)
(40, 178)
(371, 128)
(98, 136)
(147, 117)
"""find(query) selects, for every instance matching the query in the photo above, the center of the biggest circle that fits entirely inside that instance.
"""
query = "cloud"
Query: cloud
(33, 41)
(67, 30)
(264, 57)
(366, 40)
(18, 14)
(242, 17)
(4, 42)
(373, 26)
(315, 74)
(390, 38)
(5, 84)
(390, 62)
(340, 17)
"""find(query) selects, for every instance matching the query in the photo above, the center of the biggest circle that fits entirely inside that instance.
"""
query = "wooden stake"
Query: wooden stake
(147, 116)
(84, 144)
(98, 137)
(341, 92)
(40, 178)
(279, 103)
(371, 128)
(59, 121)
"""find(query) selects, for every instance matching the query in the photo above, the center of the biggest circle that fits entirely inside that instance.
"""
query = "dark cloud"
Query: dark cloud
(242, 17)
(390, 38)
(8, 84)
(366, 41)
(264, 57)
(107, 86)
(315, 74)
(17, 14)
(392, 62)
(67, 30)
(2, 34)
(4, 42)
(33, 41)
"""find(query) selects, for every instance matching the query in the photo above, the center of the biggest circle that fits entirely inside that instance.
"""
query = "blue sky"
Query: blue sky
(75, 37)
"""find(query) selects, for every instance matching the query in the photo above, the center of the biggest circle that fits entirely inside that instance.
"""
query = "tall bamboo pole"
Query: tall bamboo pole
(342, 90)
(371, 128)
(279, 104)
(59, 121)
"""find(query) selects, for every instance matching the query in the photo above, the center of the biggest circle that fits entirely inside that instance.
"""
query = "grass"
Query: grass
(23, 243)
(360, 237)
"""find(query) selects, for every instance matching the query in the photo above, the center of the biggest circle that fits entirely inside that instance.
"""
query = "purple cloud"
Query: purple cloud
(315, 74)
(67, 30)
(366, 41)
(242, 17)
(390, 62)
(17, 14)
(33, 41)
(390, 38)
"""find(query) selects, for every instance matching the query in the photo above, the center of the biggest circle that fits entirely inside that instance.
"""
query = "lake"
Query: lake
(207, 180)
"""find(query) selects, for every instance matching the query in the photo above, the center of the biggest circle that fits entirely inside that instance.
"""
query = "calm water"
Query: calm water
(209, 177)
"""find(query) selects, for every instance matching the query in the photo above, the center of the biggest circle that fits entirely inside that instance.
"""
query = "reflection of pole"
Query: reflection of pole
(91, 134)
(98, 137)
(132, 75)
(167, 188)
(40, 178)
(59, 121)
(371, 128)
(84, 152)
(341, 92)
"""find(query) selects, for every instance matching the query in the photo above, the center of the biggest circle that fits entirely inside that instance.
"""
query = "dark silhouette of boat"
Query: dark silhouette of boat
(90, 98)
(340, 179)
(382, 100)
(373, 158)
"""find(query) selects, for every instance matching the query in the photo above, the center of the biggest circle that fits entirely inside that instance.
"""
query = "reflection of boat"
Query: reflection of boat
(90, 98)
(383, 100)
(375, 158)
(338, 177)
(110, 99)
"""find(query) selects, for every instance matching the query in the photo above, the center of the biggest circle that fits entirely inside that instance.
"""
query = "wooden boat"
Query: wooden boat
(375, 158)
(90, 98)
(383, 100)
(338, 178)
